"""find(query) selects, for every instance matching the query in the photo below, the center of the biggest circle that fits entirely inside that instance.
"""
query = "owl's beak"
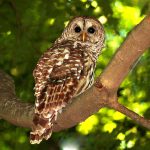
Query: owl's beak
(83, 36)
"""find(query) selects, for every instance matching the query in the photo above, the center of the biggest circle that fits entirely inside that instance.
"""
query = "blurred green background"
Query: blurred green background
(29, 27)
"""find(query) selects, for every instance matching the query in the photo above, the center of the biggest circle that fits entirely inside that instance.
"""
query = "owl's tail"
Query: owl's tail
(43, 125)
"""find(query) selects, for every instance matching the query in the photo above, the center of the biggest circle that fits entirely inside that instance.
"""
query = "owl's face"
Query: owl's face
(85, 30)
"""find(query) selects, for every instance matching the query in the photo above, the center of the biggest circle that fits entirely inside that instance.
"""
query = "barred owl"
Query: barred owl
(64, 71)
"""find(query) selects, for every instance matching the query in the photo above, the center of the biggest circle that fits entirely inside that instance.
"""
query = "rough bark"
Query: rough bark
(102, 94)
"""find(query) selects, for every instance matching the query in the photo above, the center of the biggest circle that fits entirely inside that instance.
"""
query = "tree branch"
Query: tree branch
(13, 109)
(137, 41)
(139, 119)
(102, 94)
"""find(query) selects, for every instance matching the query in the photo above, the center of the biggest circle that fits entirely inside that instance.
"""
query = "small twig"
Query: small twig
(134, 116)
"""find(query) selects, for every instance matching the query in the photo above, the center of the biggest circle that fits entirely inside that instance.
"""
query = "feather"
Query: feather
(56, 79)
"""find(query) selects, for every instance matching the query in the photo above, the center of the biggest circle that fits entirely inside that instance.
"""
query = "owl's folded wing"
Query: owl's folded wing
(57, 78)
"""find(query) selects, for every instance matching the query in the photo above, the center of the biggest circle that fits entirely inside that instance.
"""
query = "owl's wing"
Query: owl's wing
(57, 75)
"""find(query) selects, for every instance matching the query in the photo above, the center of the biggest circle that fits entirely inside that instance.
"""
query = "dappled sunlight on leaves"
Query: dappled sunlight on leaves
(83, 1)
(109, 127)
(139, 108)
(126, 13)
(97, 10)
(118, 116)
(94, 3)
(88, 125)
(114, 42)
(50, 21)
(14, 71)
(102, 19)
(120, 136)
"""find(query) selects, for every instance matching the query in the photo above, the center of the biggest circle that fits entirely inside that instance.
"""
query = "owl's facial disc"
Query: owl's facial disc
(85, 30)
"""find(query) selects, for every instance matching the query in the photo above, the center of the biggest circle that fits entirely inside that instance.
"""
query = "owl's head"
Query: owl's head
(85, 30)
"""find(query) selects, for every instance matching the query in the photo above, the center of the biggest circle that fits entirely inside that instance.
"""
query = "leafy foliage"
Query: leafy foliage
(28, 28)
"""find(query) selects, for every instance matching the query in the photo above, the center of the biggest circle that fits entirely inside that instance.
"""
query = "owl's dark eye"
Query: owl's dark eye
(91, 30)
(77, 29)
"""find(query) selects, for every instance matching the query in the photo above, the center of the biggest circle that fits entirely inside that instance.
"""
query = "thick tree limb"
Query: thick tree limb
(11, 108)
(102, 94)
(132, 48)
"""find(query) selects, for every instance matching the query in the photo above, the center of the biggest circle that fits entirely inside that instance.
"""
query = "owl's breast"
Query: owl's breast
(87, 74)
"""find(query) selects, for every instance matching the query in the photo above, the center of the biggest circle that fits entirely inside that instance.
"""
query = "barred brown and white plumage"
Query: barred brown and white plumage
(65, 71)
